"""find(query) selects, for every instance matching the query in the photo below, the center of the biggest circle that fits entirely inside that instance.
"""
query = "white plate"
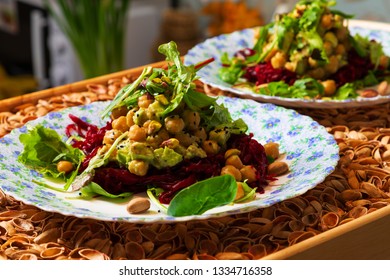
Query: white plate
(309, 150)
(230, 43)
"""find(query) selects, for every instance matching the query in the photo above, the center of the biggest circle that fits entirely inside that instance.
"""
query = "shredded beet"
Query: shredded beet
(253, 153)
(93, 137)
(356, 69)
(264, 73)
(116, 180)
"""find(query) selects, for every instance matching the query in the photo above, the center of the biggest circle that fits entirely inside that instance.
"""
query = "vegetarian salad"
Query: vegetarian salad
(162, 137)
(310, 53)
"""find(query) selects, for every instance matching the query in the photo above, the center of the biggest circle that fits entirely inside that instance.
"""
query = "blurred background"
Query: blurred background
(47, 43)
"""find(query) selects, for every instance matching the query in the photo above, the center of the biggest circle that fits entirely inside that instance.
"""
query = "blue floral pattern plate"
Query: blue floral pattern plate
(230, 43)
(310, 151)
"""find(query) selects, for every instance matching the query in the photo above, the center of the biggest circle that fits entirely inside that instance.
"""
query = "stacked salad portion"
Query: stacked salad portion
(308, 53)
(161, 137)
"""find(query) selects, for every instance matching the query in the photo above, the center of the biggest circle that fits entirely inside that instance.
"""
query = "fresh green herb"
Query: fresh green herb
(203, 195)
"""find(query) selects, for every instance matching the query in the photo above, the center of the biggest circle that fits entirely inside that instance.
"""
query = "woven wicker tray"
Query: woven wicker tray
(345, 217)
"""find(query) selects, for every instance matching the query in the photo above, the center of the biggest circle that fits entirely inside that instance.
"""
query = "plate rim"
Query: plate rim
(168, 219)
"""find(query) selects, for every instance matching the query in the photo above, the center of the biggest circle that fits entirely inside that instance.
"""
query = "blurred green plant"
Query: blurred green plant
(96, 30)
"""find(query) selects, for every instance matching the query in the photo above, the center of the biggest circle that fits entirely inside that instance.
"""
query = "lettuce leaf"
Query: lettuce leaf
(44, 148)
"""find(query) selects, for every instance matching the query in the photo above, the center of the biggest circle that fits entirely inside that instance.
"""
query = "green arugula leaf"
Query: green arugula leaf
(125, 92)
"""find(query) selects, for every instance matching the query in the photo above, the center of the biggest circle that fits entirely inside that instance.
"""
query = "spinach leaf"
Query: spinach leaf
(203, 195)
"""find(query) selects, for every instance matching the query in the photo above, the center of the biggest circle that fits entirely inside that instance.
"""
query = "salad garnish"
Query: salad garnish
(309, 53)
(162, 138)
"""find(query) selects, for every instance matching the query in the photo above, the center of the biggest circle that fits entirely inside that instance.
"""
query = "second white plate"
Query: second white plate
(230, 43)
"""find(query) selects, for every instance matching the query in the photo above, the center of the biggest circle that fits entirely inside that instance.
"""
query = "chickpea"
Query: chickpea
(317, 73)
(331, 37)
(185, 138)
(138, 167)
(163, 134)
(171, 143)
(200, 133)
(104, 149)
(279, 60)
(64, 166)
(129, 118)
(384, 61)
(329, 87)
(333, 65)
(174, 124)
(191, 119)
(342, 33)
(120, 124)
(291, 66)
(312, 62)
(145, 100)
(248, 173)
(272, 150)
(118, 112)
(137, 133)
(231, 170)
(340, 49)
(110, 136)
(328, 48)
(153, 127)
(232, 152)
(234, 161)
(327, 21)
(210, 147)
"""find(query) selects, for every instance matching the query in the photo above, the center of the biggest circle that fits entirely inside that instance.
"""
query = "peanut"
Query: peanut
(138, 205)
(383, 88)
(368, 93)
(278, 168)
